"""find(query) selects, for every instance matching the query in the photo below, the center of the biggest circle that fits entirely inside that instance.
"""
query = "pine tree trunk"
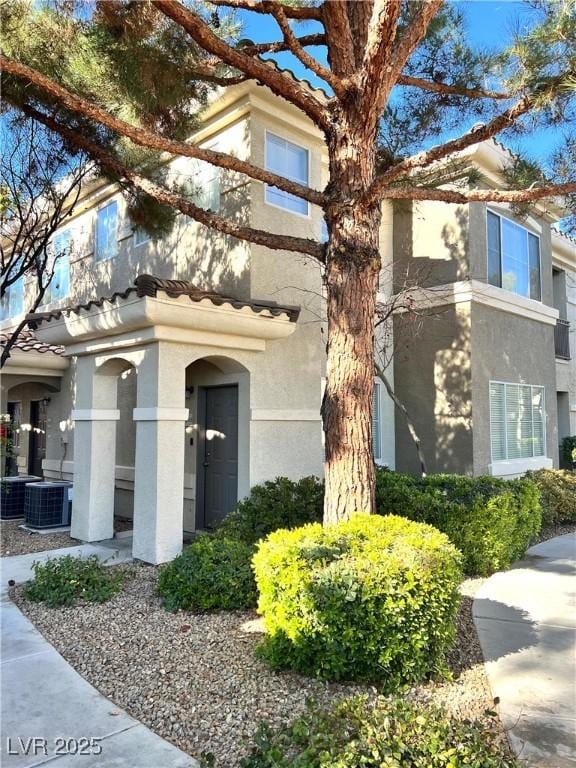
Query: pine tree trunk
(352, 270)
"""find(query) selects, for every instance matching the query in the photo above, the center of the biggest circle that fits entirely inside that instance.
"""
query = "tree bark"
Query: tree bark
(351, 280)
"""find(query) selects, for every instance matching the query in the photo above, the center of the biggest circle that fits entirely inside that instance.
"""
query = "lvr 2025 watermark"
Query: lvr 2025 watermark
(37, 745)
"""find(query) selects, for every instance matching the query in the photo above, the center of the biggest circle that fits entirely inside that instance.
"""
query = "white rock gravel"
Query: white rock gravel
(194, 680)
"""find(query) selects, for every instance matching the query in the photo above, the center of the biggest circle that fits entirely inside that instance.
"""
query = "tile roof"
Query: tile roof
(149, 285)
(27, 342)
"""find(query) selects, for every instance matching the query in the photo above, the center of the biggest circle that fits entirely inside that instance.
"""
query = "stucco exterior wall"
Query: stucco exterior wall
(432, 372)
(509, 348)
(430, 243)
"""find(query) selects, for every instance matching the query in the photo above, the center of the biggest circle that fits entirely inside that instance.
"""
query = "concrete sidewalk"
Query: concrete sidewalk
(49, 713)
(526, 622)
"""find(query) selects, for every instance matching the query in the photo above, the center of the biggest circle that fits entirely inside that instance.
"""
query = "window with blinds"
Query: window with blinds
(377, 422)
(517, 421)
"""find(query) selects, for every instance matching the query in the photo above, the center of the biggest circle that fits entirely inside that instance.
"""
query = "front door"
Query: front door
(217, 486)
(37, 442)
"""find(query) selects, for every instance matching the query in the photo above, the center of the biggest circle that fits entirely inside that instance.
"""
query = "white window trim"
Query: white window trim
(101, 207)
(499, 466)
(528, 232)
(378, 389)
(306, 215)
(515, 467)
(142, 242)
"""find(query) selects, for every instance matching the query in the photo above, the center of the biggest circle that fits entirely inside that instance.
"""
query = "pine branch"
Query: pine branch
(395, 52)
(423, 159)
(302, 13)
(451, 90)
(279, 83)
(339, 39)
(255, 49)
(155, 141)
(381, 36)
(480, 195)
(277, 10)
(165, 196)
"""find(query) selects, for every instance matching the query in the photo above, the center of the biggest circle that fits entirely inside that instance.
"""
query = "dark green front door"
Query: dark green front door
(217, 487)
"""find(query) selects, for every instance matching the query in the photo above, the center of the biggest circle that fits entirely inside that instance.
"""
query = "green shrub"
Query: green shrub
(558, 495)
(281, 503)
(569, 451)
(64, 580)
(213, 573)
(371, 598)
(356, 733)
(490, 520)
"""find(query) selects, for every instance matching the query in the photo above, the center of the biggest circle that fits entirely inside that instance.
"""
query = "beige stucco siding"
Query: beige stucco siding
(509, 348)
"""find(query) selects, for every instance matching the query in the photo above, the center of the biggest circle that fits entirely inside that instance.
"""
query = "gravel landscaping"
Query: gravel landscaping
(17, 541)
(194, 680)
(553, 531)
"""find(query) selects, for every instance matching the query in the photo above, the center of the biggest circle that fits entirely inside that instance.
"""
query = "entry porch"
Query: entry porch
(204, 372)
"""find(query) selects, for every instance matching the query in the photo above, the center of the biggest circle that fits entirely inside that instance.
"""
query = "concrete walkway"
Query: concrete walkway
(50, 715)
(526, 622)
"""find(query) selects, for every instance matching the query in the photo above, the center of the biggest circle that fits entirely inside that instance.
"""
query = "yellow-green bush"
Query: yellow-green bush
(558, 495)
(371, 598)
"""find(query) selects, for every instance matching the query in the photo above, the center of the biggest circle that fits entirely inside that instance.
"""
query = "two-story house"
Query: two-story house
(166, 400)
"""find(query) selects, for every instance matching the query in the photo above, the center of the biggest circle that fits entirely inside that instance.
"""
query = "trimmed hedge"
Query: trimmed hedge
(356, 733)
(558, 495)
(211, 574)
(490, 520)
(371, 598)
(280, 503)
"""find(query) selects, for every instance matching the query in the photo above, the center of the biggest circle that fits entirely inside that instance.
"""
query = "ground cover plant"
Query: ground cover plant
(372, 598)
(65, 580)
(490, 520)
(358, 733)
(213, 573)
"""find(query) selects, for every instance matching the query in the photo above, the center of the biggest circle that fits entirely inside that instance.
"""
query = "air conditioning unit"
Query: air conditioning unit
(48, 504)
(12, 495)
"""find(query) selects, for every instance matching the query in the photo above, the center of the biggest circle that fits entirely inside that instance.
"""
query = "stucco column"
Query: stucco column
(95, 420)
(160, 418)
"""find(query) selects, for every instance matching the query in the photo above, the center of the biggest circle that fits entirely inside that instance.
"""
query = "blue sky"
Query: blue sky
(490, 24)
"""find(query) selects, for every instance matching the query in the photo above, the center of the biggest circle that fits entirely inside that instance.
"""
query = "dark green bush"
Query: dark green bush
(64, 580)
(213, 573)
(490, 520)
(281, 503)
(569, 451)
(371, 598)
(357, 733)
(558, 495)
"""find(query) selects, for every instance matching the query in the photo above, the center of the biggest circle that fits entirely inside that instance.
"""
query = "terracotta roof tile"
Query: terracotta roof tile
(27, 342)
(149, 285)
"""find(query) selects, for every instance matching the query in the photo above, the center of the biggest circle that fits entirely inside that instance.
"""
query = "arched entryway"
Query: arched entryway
(27, 405)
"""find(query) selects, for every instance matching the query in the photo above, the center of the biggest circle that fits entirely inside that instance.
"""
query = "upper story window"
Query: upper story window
(205, 185)
(513, 257)
(517, 421)
(291, 161)
(12, 303)
(141, 236)
(107, 232)
(59, 287)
